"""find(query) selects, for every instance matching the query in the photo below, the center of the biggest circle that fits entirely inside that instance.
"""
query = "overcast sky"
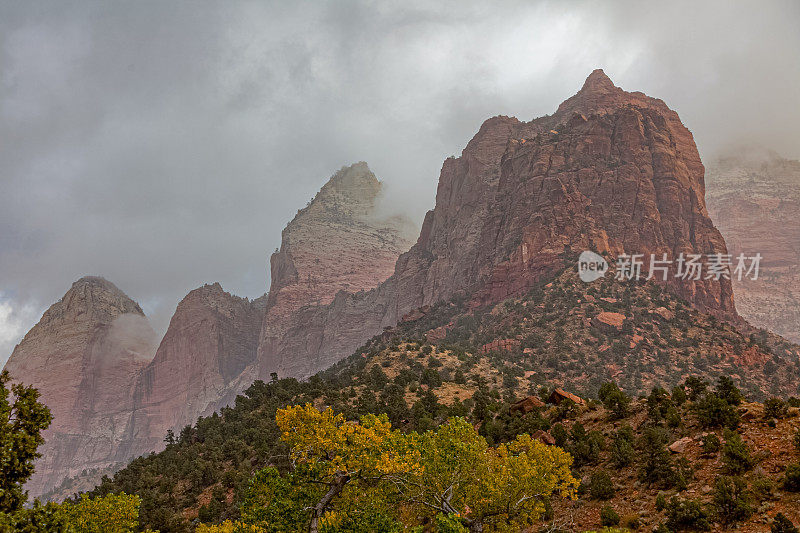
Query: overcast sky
(164, 145)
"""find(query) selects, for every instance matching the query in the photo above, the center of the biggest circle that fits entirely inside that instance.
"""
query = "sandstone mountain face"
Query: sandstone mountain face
(754, 198)
(211, 338)
(110, 405)
(82, 355)
(338, 243)
(612, 171)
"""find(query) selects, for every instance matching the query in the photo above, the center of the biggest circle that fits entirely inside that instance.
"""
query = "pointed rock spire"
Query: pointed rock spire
(598, 82)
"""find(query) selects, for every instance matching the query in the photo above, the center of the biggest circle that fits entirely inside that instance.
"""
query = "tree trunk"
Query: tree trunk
(335, 489)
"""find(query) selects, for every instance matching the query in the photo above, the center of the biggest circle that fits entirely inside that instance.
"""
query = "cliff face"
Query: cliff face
(211, 338)
(339, 242)
(110, 405)
(82, 355)
(610, 170)
(754, 198)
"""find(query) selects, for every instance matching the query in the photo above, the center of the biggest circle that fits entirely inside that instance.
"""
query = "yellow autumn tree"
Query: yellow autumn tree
(342, 453)
(366, 476)
(491, 489)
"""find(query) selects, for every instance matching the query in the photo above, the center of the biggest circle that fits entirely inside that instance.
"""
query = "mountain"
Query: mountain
(754, 198)
(211, 338)
(82, 355)
(456, 360)
(339, 242)
(610, 171)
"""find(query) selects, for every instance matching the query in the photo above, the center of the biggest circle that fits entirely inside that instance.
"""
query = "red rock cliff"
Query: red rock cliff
(211, 338)
(610, 170)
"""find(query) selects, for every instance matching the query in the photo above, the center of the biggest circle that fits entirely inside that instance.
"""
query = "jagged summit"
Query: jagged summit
(598, 82)
(611, 171)
(351, 192)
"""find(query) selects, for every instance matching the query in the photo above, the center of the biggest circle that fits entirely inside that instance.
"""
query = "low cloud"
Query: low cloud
(164, 145)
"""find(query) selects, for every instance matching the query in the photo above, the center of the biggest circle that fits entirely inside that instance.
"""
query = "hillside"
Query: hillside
(448, 360)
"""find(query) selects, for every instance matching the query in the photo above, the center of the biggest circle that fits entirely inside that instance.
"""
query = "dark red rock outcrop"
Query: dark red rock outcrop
(612, 171)
(82, 356)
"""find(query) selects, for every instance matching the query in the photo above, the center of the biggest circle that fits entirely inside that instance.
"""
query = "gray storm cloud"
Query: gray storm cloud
(164, 145)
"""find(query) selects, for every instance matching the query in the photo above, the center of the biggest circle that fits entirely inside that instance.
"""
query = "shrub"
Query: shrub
(630, 522)
(776, 408)
(791, 480)
(781, 524)
(727, 391)
(711, 444)
(601, 487)
(614, 400)
(608, 517)
(686, 515)
(659, 405)
(678, 395)
(713, 411)
(761, 486)
(584, 446)
(661, 502)
(732, 501)
(622, 447)
(736, 455)
(695, 387)
(560, 435)
(796, 439)
(655, 461)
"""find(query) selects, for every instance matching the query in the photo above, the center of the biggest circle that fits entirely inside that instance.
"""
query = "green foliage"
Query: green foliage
(736, 454)
(584, 446)
(656, 466)
(791, 480)
(622, 452)
(776, 408)
(601, 487)
(608, 517)
(449, 524)
(614, 400)
(728, 391)
(686, 515)
(661, 502)
(660, 408)
(732, 501)
(22, 420)
(711, 444)
(695, 387)
(713, 411)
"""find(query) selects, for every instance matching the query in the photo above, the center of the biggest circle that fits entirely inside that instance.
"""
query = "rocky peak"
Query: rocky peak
(83, 356)
(611, 170)
(212, 337)
(337, 242)
(598, 83)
